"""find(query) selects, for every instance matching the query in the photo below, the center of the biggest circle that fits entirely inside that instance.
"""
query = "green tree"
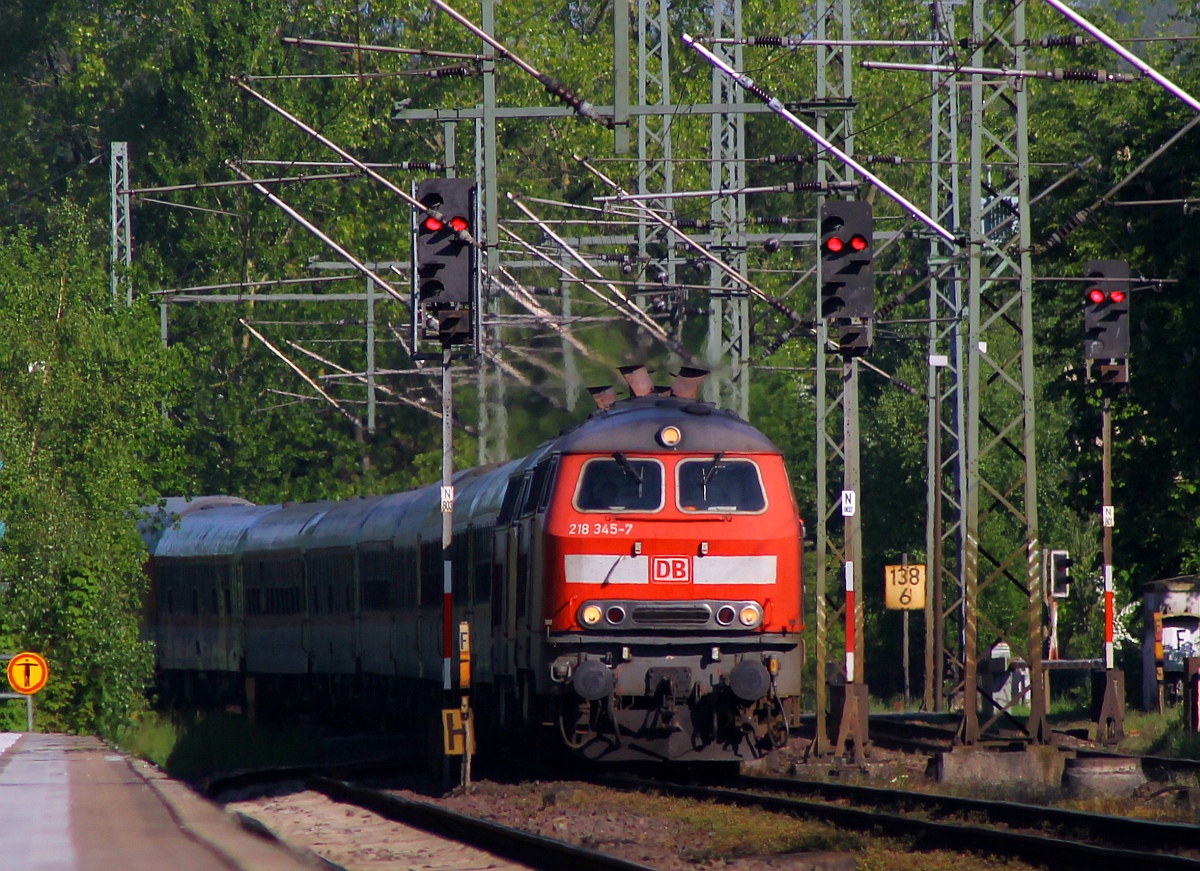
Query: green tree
(83, 440)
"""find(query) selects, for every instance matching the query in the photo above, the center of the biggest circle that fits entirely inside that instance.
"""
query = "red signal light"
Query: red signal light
(1117, 296)
(432, 224)
(1096, 295)
(458, 224)
(834, 245)
(858, 243)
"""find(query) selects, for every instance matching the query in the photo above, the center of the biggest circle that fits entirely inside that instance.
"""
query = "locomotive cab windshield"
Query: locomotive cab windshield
(720, 485)
(620, 484)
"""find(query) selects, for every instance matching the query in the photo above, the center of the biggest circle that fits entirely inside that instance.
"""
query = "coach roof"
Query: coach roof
(634, 425)
(220, 531)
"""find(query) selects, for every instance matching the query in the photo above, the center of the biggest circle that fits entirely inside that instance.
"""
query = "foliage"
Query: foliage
(80, 432)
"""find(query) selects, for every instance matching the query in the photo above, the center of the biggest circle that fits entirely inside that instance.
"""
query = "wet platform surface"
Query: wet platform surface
(70, 803)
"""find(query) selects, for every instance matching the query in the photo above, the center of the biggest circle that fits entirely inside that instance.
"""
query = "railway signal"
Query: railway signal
(847, 276)
(1058, 574)
(1106, 310)
(847, 272)
(445, 261)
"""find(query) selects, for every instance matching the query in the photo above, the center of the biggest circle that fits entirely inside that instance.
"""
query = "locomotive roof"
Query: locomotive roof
(633, 425)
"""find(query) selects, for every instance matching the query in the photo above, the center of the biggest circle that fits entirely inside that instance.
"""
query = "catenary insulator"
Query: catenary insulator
(1074, 41)
(581, 106)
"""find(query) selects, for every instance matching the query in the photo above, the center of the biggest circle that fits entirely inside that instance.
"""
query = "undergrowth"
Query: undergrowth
(194, 745)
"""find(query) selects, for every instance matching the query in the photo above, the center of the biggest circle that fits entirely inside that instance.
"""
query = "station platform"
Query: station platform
(69, 803)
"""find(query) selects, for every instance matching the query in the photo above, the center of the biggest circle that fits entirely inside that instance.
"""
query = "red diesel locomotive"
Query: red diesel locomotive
(633, 585)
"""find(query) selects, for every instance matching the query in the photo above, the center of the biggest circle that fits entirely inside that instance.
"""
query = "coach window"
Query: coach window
(481, 560)
(538, 484)
(508, 506)
(620, 484)
(550, 466)
(719, 485)
(460, 568)
(409, 577)
(432, 573)
(376, 569)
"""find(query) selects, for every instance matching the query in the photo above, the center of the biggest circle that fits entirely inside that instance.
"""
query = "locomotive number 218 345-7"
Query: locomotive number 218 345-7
(600, 529)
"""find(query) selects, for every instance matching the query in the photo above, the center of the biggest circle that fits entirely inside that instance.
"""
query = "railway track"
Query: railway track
(1060, 838)
(526, 848)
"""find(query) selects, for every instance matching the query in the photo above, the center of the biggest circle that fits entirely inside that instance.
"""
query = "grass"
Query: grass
(717, 833)
(1160, 735)
(1146, 732)
(191, 746)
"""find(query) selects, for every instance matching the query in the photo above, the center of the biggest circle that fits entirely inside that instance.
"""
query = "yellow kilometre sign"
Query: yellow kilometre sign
(904, 587)
(27, 673)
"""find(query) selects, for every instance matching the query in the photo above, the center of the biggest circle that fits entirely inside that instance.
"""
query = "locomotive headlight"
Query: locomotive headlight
(750, 615)
(590, 615)
(670, 436)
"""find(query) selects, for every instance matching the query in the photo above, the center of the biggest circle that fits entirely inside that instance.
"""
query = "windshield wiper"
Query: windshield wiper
(628, 469)
(708, 473)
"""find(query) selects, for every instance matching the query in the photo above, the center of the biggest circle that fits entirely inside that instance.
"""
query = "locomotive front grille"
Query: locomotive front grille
(660, 614)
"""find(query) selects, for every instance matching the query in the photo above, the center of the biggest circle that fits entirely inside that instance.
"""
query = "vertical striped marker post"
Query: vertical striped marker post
(849, 622)
(1108, 617)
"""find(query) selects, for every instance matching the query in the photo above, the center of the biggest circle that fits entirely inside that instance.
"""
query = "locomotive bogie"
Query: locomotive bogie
(637, 702)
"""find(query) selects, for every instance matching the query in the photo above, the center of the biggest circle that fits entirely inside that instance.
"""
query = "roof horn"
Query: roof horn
(638, 379)
(687, 383)
(604, 397)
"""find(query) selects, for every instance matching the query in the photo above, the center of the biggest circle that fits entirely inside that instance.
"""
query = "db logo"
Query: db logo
(671, 570)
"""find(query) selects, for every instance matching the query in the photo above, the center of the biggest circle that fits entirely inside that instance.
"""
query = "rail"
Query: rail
(526, 848)
(1060, 850)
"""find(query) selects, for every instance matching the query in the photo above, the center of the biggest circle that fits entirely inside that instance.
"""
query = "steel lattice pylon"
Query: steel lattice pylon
(656, 169)
(1002, 567)
(727, 345)
(493, 412)
(946, 461)
(122, 247)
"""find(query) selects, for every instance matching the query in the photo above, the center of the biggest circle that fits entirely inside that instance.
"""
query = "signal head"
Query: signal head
(1106, 310)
